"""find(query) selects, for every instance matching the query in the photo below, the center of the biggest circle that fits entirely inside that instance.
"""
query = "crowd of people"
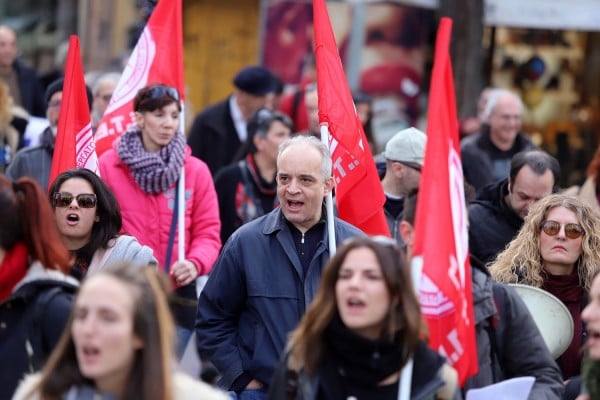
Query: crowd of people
(99, 299)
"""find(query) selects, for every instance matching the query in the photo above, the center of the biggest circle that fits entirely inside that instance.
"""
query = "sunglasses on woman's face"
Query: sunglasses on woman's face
(572, 231)
(64, 199)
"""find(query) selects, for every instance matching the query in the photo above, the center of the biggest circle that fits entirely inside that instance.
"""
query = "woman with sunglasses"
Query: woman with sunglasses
(35, 291)
(143, 172)
(558, 250)
(89, 220)
(359, 332)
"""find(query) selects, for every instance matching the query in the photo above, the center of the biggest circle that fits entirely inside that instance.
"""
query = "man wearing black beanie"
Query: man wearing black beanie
(36, 161)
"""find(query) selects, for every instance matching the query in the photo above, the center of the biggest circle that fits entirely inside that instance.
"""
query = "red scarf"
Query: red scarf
(12, 270)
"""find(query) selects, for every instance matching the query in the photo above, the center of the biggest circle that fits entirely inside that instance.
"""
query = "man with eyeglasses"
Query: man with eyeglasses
(404, 154)
(498, 212)
(486, 155)
(102, 89)
(36, 161)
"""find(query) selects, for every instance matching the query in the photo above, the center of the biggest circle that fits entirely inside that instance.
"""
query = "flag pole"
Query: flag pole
(405, 380)
(329, 200)
(181, 197)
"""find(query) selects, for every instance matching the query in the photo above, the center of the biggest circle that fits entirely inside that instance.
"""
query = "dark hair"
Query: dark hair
(107, 206)
(539, 161)
(307, 340)
(147, 100)
(150, 376)
(593, 169)
(26, 216)
(260, 122)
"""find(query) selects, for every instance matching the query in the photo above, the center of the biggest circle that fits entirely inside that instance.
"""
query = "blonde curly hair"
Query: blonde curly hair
(521, 261)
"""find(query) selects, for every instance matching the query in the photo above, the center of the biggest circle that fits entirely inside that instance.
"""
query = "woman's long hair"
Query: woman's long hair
(150, 377)
(26, 216)
(307, 340)
(521, 261)
(107, 207)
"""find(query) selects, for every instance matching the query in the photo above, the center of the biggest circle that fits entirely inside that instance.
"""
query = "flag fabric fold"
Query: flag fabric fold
(440, 250)
(156, 58)
(359, 194)
(74, 145)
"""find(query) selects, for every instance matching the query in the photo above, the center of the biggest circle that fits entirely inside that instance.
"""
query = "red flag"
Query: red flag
(156, 58)
(359, 193)
(441, 242)
(74, 146)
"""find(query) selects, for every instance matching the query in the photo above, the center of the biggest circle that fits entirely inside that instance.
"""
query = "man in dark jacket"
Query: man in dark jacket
(509, 343)
(23, 83)
(497, 213)
(269, 271)
(486, 156)
(219, 131)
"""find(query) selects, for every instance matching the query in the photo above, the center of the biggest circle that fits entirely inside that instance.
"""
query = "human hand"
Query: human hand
(183, 272)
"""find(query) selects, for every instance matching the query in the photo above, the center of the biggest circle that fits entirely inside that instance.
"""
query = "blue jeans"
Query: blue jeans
(183, 337)
(249, 394)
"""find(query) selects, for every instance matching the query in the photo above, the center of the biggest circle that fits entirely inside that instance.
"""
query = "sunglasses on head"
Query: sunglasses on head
(160, 91)
(64, 199)
(572, 231)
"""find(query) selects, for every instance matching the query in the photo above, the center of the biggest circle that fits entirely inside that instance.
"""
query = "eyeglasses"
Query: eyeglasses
(64, 199)
(160, 91)
(572, 231)
(105, 97)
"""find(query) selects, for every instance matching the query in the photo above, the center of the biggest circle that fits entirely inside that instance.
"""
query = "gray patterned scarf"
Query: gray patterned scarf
(153, 172)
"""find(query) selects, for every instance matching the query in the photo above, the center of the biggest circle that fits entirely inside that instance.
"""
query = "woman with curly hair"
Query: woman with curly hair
(558, 250)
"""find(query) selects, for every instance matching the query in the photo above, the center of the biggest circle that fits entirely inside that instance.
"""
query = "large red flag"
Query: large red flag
(359, 193)
(441, 243)
(156, 58)
(74, 145)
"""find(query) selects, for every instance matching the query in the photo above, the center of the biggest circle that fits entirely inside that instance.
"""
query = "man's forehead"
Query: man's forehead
(529, 183)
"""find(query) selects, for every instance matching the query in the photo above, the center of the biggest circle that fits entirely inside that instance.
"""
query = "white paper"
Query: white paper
(510, 389)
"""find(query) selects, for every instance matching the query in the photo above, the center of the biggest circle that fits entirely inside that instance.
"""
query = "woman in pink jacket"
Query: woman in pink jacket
(143, 171)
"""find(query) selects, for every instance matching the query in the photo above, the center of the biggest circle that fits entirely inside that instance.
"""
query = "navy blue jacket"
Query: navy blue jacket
(256, 295)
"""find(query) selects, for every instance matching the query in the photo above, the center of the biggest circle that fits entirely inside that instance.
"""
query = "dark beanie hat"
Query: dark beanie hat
(255, 80)
(57, 86)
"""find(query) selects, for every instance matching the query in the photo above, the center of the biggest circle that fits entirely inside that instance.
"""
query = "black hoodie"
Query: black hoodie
(492, 223)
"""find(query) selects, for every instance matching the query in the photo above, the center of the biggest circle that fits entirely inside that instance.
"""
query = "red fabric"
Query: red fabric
(12, 269)
(75, 145)
(359, 194)
(156, 58)
(441, 242)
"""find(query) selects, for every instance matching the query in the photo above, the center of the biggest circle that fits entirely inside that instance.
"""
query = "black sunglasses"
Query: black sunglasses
(572, 231)
(160, 91)
(64, 199)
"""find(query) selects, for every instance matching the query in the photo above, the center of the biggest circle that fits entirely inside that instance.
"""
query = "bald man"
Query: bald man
(23, 83)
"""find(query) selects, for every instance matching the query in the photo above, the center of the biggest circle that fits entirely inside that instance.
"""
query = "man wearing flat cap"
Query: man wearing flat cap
(404, 154)
(36, 161)
(219, 130)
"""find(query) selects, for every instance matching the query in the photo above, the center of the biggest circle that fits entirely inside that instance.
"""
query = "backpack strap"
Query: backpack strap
(36, 349)
(495, 330)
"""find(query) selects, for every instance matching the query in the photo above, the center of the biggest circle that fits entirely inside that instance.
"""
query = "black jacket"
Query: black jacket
(32, 93)
(492, 223)
(213, 137)
(34, 315)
